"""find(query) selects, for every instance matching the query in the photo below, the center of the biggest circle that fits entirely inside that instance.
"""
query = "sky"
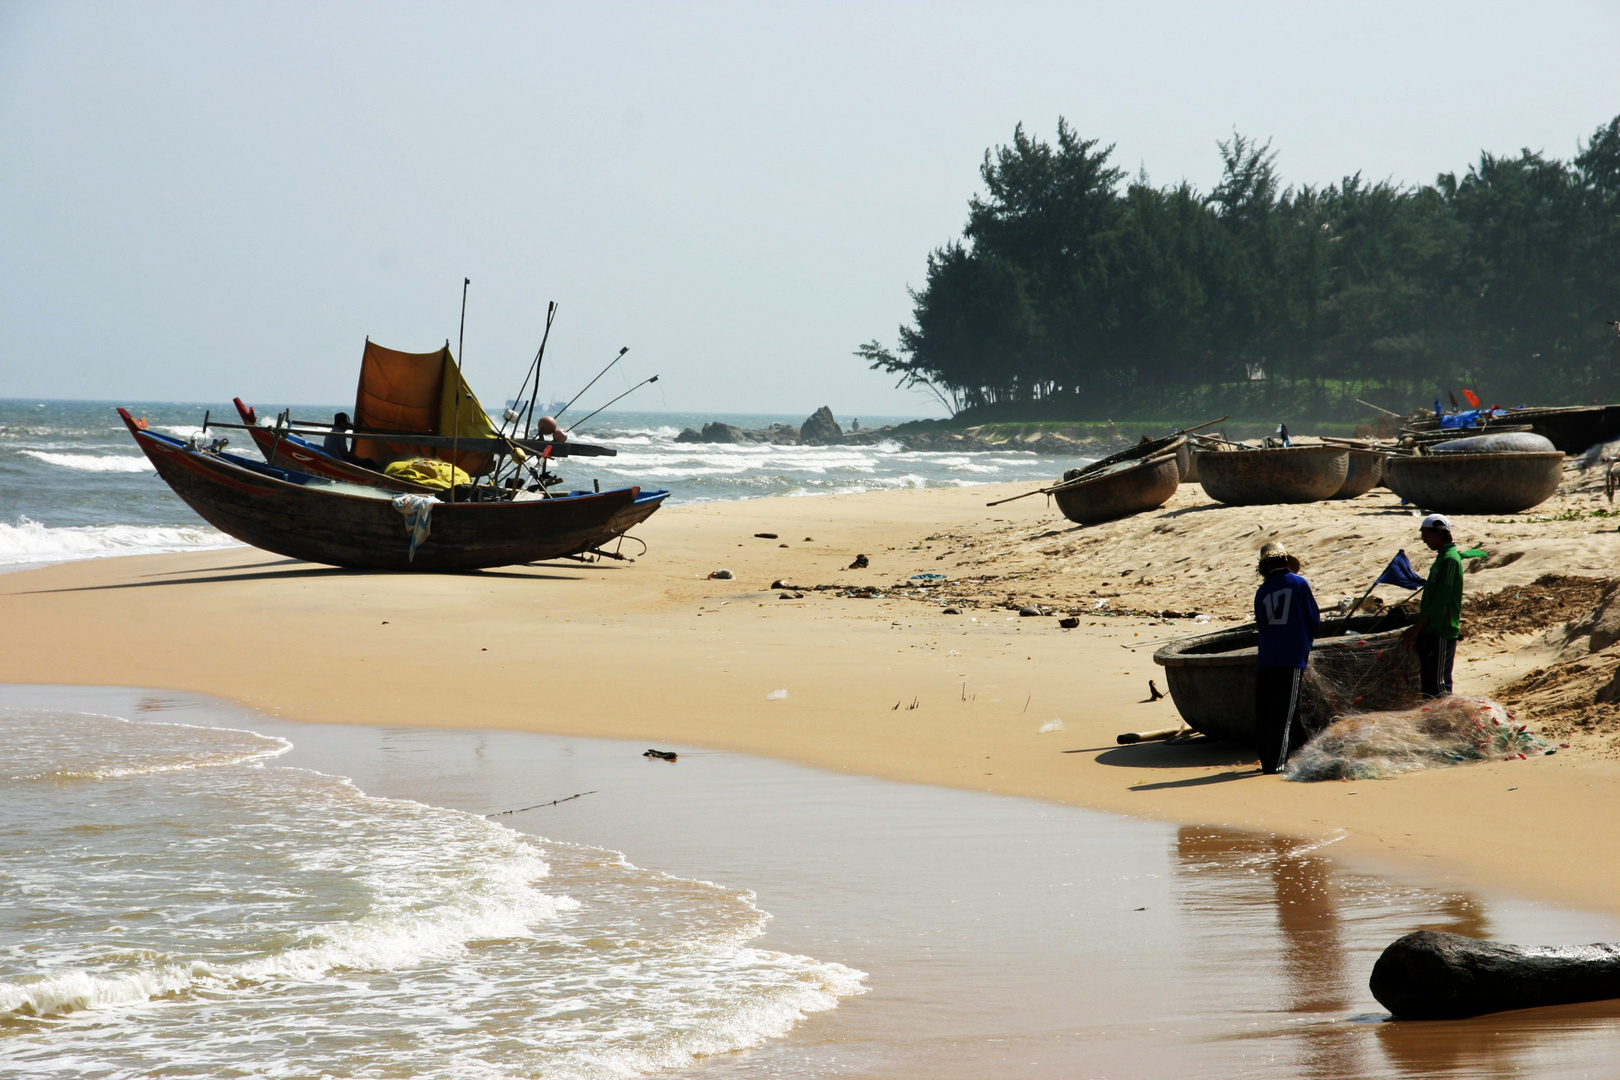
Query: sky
(199, 201)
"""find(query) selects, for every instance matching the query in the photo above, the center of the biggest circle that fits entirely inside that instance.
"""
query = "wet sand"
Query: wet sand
(1000, 935)
(656, 651)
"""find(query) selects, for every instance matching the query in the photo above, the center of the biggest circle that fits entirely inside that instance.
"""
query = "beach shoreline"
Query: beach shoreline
(887, 686)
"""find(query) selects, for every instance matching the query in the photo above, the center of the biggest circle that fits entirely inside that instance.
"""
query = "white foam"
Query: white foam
(28, 542)
(113, 463)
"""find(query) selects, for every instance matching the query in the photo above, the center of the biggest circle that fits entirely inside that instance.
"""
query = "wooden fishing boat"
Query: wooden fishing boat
(1572, 429)
(284, 447)
(1119, 490)
(366, 527)
(1475, 483)
(1364, 469)
(1284, 475)
(1211, 677)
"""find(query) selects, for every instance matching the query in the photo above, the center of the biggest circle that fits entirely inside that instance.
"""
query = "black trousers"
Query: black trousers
(1436, 655)
(1276, 715)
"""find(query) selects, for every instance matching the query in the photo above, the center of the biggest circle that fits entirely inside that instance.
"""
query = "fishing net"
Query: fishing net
(1444, 732)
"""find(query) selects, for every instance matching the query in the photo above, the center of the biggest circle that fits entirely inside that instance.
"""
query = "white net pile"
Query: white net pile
(1445, 732)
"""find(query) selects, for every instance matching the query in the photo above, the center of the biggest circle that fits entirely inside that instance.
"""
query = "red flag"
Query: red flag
(1473, 398)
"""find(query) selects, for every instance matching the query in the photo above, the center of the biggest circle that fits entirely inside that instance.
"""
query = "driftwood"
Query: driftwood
(1434, 976)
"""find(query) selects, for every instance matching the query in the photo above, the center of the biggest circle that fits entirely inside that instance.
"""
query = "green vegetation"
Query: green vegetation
(1073, 295)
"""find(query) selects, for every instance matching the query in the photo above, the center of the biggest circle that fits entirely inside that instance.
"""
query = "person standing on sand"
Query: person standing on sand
(1439, 621)
(1285, 612)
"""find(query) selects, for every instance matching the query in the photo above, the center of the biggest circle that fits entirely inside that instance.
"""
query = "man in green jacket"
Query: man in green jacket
(1439, 620)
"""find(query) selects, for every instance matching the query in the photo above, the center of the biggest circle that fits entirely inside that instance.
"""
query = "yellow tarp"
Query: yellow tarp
(410, 392)
(428, 472)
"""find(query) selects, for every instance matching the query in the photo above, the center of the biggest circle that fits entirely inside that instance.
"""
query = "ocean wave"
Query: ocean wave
(30, 542)
(36, 751)
(113, 463)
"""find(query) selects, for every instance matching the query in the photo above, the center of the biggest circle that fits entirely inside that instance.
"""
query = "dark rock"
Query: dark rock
(1069, 622)
(716, 432)
(861, 563)
(1435, 976)
(1027, 611)
(820, 429)
(689, 435)
(766, 536)
(952, 611)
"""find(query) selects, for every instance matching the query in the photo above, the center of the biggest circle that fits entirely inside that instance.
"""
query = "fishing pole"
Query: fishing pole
(592, 383)
(539, 358)
(461, 343)
(627, 393)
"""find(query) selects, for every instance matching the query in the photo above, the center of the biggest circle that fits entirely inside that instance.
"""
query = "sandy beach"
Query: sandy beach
(887, 685)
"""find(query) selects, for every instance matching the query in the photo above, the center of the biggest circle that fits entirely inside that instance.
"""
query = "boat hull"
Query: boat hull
(1122, 491)
(304, 518)
(1286, 475)
(1365, 468)
(1211, 678)
(1475, 483)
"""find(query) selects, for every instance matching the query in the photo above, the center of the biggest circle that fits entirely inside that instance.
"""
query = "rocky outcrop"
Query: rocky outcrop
(716, 432)
(820, 429)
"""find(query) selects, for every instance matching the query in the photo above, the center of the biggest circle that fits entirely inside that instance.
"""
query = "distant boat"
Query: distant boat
(366, 527)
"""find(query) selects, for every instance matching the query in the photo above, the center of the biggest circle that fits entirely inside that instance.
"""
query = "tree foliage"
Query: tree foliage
(1088, 295)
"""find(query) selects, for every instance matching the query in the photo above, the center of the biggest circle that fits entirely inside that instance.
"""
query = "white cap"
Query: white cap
(1436, 521)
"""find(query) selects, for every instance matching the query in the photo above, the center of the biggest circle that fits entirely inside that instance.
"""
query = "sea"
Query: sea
(195, 889)
(73, 485)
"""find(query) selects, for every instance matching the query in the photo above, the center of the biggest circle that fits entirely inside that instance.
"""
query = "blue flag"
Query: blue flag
(1399, 572)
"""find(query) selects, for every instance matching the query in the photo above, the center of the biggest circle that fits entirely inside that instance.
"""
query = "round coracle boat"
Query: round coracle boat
(1511, 442)
(1366, 468)
(1367, 669)
(1294, 474)
(1122, 489)
(1475, 483)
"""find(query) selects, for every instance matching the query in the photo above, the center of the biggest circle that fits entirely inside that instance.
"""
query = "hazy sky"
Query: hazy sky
(201, 200)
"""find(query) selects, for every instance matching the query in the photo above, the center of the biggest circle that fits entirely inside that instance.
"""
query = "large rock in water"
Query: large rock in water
(716, 432)
(689, 435)
(820, 429)
(1433, 976)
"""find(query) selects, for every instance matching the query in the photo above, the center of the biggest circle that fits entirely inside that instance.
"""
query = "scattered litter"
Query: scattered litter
(1200, 618)
(1096, 604)
(766, 536)
(953, 652)
(661, 755)
(1131, 738)
(776, 695)
(1446, 732)
(722, 575)
(861, 563)
(927, 577)
(1053, 724)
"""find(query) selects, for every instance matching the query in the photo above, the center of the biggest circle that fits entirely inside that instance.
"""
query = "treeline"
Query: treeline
(1074, 294)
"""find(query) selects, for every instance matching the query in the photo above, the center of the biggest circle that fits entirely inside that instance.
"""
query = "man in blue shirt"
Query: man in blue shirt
(1285, 612)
